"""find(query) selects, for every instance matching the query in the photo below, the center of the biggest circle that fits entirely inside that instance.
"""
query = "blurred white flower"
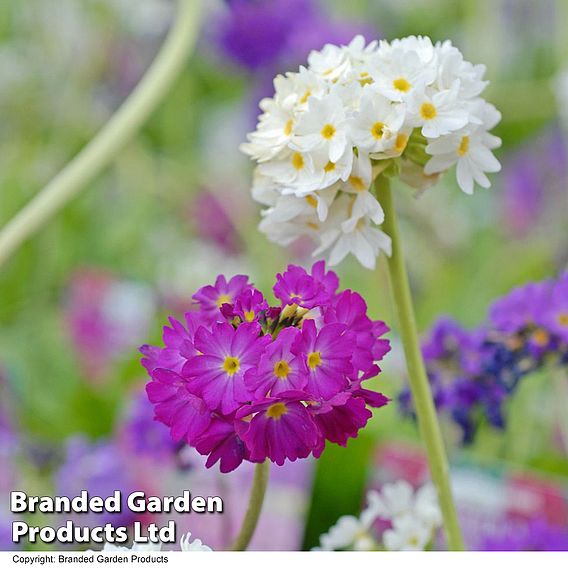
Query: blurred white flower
(414, 518)
(351, 532)
(407, 533)
(399, 499)
(393, 500)
(187, 545)
(348, 532)
(353, 112)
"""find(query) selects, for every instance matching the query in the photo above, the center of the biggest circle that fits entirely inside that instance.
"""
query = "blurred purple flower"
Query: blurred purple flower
(264, 35)
(535, 179)
(524, 193)
(141, 435)
(472, 373)
(522, 306)
(6, 543)
(100, 468)
(537, 535)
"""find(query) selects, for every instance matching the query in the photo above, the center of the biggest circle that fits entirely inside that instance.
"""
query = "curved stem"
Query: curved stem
(119, 129)
(252, 515)
(419, 385)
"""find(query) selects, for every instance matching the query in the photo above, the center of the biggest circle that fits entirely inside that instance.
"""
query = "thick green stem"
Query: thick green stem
(256, 500)
(419, 385)
(115, 134)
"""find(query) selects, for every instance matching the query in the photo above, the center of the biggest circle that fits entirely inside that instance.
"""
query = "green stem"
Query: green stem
(115, 134)
(561, 387)
(252, 515)
(419, 385)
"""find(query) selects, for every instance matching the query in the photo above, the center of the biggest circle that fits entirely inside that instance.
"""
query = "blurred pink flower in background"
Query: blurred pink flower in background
(212, 222)
(106, 318)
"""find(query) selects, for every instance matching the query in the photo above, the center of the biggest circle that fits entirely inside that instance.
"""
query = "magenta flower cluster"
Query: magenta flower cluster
(240, 380)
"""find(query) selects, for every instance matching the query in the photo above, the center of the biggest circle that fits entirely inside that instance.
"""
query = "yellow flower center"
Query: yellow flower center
(328, 131)
(314, 359)
(312, 201)
(541, 337)
(357, 183)
(428, 111)
(464, 146)
(329, 167)
(231, 365)
(401, 84)
(276, 410)
(223, 299)
(249, 315)
(297, 160)
(288, 127)
(305, 96)
(563, 319)
(377, 130)
(312, 225)
(400, 142)
(282, 369)
(413, 541)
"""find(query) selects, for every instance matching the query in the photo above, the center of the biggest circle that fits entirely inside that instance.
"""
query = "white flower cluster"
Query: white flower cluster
(414, 518)
(409, 108)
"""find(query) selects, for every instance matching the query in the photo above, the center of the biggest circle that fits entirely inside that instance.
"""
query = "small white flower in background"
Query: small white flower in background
(409, 108)
(351, 532)
(408, 533)
(394, 499)
(186, 545)
(414, 516)
(399, 499)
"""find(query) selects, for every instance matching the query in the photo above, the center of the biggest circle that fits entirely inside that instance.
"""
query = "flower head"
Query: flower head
(474, 372)
(245, 381)
(410, 108)
(414, 518)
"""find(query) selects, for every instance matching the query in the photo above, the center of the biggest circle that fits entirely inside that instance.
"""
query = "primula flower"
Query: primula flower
(279, 370)
(211, 298)
(414, 518)
(473, 373)
(225, 355)
(245, 381)
(409, 108)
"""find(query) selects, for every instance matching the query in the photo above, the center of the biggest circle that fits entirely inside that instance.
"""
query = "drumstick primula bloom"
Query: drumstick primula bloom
(240, 380)
(409, 108)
